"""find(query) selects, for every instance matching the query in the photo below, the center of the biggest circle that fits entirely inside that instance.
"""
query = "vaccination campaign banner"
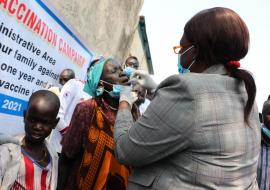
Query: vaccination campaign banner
(35, 46)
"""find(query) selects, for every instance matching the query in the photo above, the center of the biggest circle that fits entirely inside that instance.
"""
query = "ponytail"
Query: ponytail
(224, 41)
(250, 88)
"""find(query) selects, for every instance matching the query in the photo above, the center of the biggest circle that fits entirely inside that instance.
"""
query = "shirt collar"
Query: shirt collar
(216, 69)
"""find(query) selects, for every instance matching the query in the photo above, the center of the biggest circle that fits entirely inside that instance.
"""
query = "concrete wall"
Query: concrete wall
(107, 27)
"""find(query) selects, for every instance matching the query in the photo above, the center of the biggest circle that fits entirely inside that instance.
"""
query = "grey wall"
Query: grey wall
(106, 27)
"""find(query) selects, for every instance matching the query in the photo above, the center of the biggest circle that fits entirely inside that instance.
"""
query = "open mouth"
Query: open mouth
(124, 80)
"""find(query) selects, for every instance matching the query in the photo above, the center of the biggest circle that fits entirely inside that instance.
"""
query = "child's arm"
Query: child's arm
(7, 139)
(4, 158)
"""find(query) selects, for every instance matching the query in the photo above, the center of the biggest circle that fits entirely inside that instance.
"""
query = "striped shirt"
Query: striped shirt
(263, 172)
(31, 175)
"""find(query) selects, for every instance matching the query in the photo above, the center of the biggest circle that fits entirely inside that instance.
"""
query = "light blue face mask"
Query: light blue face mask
(128, 71)
(266, 131)
(181, 69)
(117, 89)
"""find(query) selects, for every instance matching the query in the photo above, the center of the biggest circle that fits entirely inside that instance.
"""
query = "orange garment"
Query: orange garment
(98, 168)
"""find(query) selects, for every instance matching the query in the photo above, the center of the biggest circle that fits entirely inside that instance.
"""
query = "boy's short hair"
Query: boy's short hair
(46, 95)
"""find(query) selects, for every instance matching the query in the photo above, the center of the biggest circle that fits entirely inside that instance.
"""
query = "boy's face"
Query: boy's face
(266, 120)
(39, 119)
(131, 62)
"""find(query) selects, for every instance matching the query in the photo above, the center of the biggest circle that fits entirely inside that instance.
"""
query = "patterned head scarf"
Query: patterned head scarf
(93, 77)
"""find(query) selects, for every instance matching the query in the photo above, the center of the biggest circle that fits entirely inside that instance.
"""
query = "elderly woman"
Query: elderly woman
(201, 130)
(87, 156)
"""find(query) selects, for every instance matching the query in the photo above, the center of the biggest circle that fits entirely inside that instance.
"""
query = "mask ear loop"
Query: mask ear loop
(191, 64)
(193, 60)
(102, 81)
(187, 50)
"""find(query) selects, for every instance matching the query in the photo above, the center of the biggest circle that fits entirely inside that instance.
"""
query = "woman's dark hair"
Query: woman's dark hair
(220, 36)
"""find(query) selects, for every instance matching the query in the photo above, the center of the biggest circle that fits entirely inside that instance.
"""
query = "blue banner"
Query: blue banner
(12, 106)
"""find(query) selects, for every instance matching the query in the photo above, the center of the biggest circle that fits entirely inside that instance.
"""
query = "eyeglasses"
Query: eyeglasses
(176, 49)
(132, 65)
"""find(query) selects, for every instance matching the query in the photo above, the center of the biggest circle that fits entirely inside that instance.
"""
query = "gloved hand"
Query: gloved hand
(144, 79)
(128, 95)
(8, 139)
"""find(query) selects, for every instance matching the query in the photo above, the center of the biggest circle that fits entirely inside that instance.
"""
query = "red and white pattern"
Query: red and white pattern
(31, 176)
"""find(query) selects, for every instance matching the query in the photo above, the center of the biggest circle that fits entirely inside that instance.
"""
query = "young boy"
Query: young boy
(32, 164)
(263, 171)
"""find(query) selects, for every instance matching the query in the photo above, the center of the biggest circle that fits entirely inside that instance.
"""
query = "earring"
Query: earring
(99, 90)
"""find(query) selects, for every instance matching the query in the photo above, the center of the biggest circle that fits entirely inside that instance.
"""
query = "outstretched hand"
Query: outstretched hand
(144, 79)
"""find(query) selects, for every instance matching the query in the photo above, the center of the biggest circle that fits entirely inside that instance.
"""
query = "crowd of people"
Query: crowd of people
(199, 129)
